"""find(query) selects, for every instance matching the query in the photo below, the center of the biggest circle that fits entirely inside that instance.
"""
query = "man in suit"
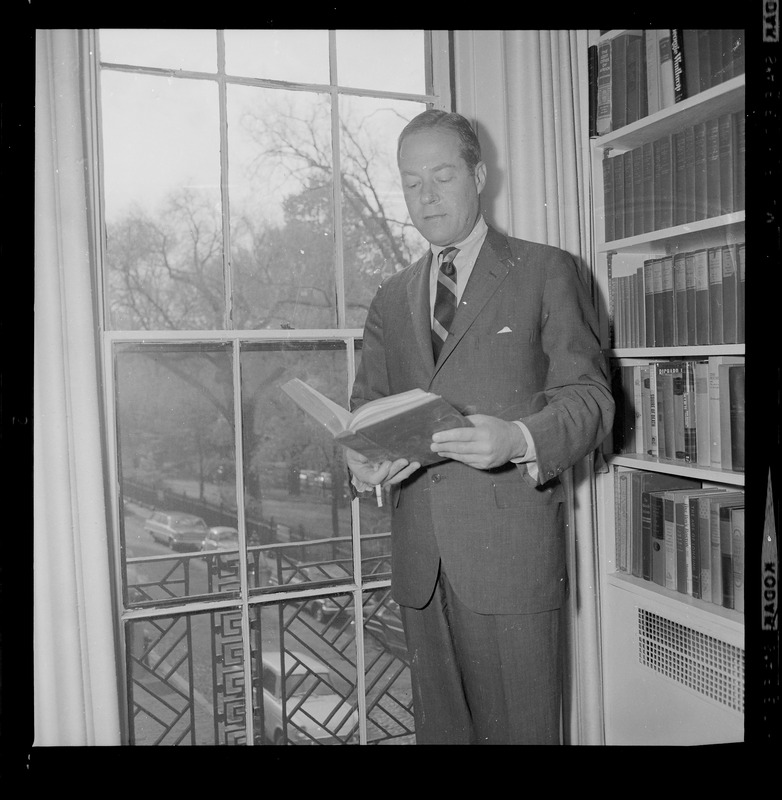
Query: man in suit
(478, 548)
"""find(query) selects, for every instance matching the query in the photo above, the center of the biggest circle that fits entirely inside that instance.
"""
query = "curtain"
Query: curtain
(527, 93)
(76, 694)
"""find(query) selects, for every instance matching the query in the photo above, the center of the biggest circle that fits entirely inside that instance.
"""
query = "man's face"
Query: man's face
(441, 192)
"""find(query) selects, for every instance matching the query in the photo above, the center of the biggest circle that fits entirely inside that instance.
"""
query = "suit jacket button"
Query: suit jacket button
(436, 477)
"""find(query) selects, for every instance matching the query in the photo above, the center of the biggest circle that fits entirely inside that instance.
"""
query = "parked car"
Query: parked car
(321, 608)
(178, 530)
(383, 623)
(314, 712)
(225, 539)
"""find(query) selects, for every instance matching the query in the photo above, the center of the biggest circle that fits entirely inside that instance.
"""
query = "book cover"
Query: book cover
(619, 196)
(648, 270)
(667, 95)
(667, 300)
(677, 58)
(715, 503)
(640, 302)
(737, 527)
(712, 168)
(647, 191)
(691, 62)
(689, 173)
(398, 426)
(608, 198)
(702, 321)
(634, 67)
(699, 170)
(619, 81)
(657, 302)
(737, 416)
(689, 277)
(729, 296)
(703, 452)
(663, 506)
(664, 404)
(663, 182)
(620, 519)
(727, 148)
(604, 90)
(715, 391)
(652, 71)
(680, 298)
(726, 411)
(657, 418)
(699, 520)
(673, 387)
(640, 433)
(740, 293)
(715, 295)
(739, 157)
(685, 558)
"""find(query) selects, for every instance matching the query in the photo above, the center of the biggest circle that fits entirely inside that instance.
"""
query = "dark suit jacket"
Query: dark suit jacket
(524, 346)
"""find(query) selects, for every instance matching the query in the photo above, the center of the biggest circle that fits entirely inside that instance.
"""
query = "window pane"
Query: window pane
(176, 453)
(378, 236)
(162, 190)
(186, 680)
(299, 56)
(297, 500)
(167, 48)
(381, 60)
(282, 218)
(304, 688)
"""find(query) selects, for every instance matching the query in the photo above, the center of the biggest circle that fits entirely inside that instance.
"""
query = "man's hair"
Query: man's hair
(434, 118)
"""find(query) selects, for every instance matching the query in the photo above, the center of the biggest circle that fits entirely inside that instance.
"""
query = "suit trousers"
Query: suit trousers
(483, 678)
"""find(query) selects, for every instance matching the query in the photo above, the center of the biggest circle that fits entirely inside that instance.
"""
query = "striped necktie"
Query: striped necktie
(445, 300)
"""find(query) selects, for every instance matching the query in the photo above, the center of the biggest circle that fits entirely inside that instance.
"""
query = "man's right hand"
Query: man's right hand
(372, 473)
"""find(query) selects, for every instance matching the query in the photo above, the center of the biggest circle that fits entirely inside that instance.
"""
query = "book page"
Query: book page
(385, 407)
(327, 412)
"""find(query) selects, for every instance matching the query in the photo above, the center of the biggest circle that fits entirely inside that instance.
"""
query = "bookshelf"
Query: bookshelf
(672, 653)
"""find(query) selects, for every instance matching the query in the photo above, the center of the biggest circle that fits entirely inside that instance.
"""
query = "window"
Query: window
(250, 207)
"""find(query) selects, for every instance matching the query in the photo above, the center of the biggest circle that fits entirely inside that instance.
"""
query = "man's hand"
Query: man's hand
(384, 472)
(490, 443)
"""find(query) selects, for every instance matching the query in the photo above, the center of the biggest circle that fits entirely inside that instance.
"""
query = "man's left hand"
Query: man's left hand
(490, 443)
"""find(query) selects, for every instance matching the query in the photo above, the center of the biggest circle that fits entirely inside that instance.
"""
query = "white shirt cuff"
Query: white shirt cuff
(530, 457)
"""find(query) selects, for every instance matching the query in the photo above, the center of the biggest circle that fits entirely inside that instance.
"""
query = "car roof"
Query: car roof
(223, 529)
(297, 661)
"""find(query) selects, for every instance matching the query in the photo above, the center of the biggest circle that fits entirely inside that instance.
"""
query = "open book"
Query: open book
(397, 426)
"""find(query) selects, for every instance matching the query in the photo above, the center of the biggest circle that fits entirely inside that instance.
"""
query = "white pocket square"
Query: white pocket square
(506, 329)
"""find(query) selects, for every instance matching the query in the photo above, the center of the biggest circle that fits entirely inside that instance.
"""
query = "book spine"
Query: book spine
(646, 410)
(725, 416)
(643, 564)
(667, 297)
(664, 402)
(592, 67)
(665, 510)
(629, 210)
(704, 56)
(604, 93)
(737, 414)
(618, 82)
(689, 410)
(667, 94)
(689, 277)
(683, 552)
(729, 301)
(702, 321)
(663, 183)
(679, 179)
(638, 205)
(702, 435)
(620, 519)
(608, 197)
(699, 170)
(640, 432)
(680, 298)
(716, 554)
(657, 302)
(695, 546)
(691, 62)
(739, 156)
(652, 71)
(647, 193)
(648, 268)
(619, 196)
(737, 526)
(715, 295)
(726, 556)
(689, 173)
(716, 58)
(712, 168)
(704, 547)
(634, 69)
(727, 148)
(677, 59)
(654, 430)
(740, 292)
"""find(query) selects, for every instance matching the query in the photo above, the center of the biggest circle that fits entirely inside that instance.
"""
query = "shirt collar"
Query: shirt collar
(477, 233)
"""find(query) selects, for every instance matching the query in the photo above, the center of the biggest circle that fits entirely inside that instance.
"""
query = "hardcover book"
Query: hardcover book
(715, 295)
(712, 168)
(729, 296)
(725, 136)
(680, 298)
(737, 527)
(398, 426)
(714, 504)
(603, 121)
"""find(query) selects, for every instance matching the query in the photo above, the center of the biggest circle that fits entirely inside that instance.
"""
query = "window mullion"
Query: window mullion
(336, 184)
(228, 322)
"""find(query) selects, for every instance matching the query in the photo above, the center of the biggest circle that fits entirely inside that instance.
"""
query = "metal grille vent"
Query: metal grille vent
(700, 662)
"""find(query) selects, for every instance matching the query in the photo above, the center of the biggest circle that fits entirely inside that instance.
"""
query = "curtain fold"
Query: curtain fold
(76, 699)
(527, 93)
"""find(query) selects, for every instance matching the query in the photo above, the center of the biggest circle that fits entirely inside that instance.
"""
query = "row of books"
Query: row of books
(672, 531)
(692, 297)
(693, 174)
(690, 410)
(640, 72)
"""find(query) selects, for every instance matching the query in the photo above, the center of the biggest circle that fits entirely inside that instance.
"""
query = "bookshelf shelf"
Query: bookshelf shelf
(727, 96)
(690, 236)
(673, 663)
(672, 467)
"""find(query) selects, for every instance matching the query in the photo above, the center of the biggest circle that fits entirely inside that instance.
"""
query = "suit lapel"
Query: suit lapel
(490, 270)
(418, 300)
